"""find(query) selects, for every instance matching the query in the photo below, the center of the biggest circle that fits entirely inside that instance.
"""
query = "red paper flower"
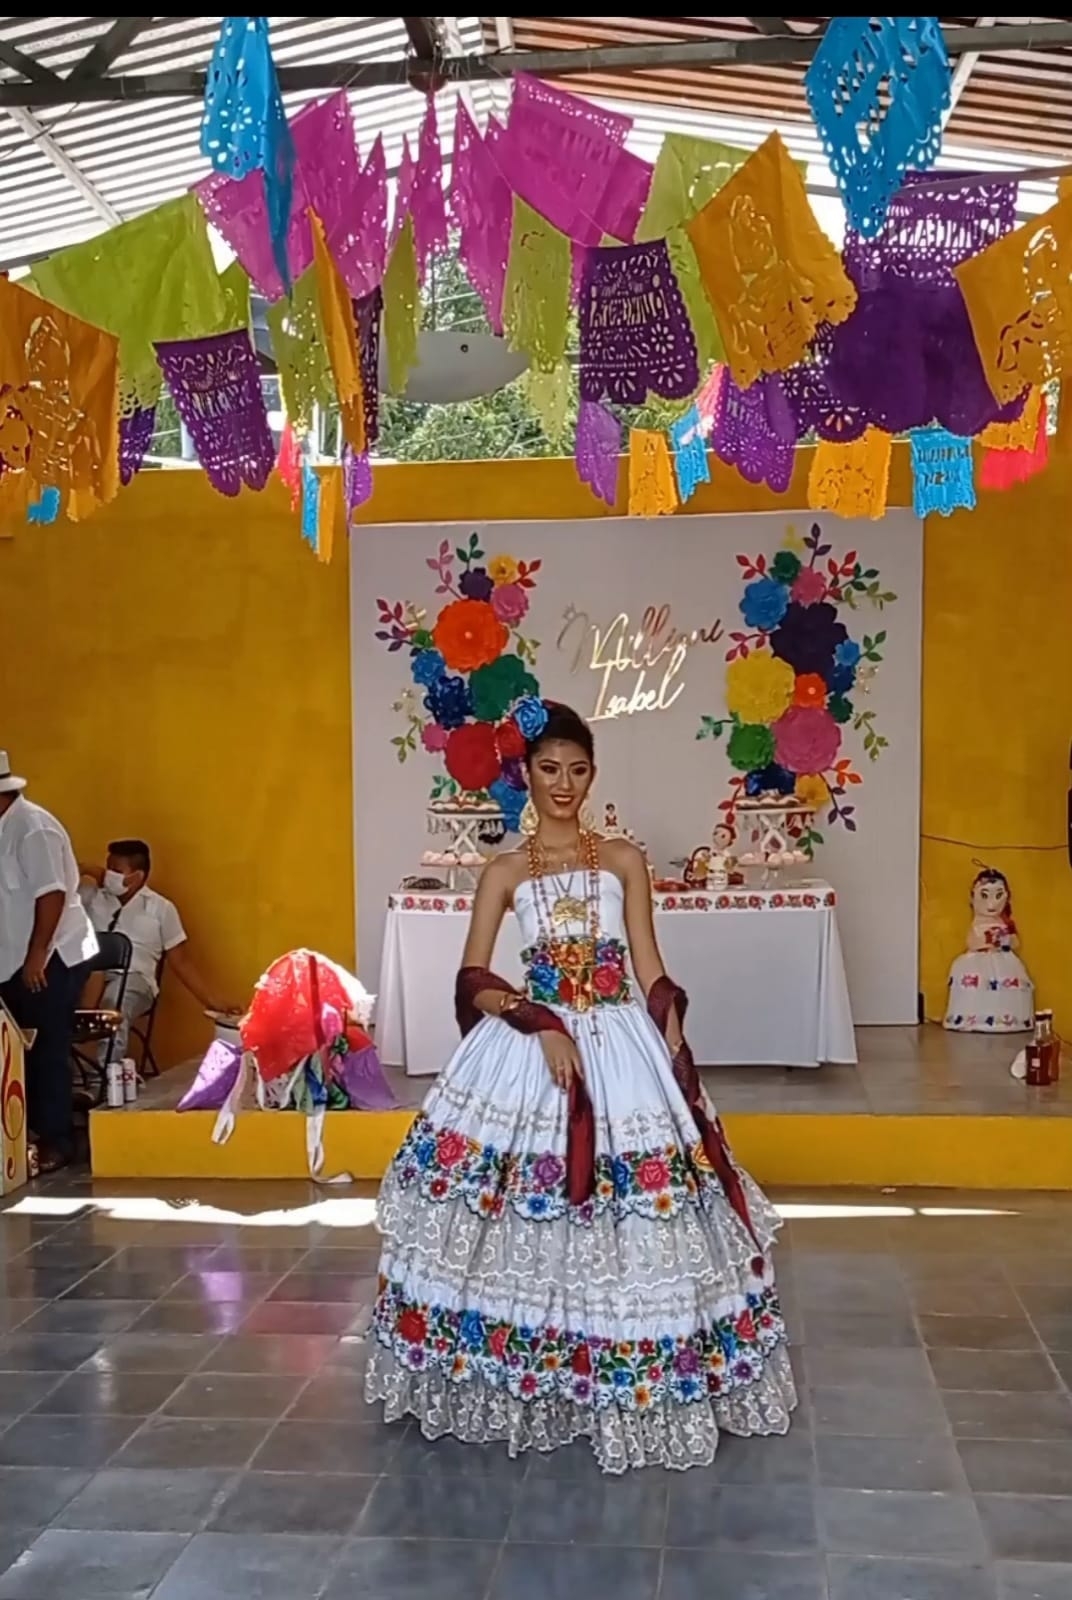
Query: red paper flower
(511, 740)
(468, 635)
(472, 758)
(809, 690)
(806, 739)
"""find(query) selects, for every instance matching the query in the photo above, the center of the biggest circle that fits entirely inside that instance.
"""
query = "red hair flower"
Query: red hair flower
(511, 740)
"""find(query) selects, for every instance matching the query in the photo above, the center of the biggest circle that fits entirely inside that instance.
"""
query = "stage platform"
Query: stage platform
(924, 1108)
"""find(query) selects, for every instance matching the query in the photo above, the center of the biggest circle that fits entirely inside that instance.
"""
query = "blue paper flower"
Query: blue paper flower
(449, 702)
(530, 714)
(840, 679)
(847, 653)
(770, 780)
(427, 667)
(511, 802)
(764, 603)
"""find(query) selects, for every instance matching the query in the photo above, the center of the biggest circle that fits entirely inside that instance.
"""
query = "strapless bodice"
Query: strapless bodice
(564, 965)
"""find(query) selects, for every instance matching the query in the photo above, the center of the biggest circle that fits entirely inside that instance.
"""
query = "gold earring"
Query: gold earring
(587, 819)
(530, 819)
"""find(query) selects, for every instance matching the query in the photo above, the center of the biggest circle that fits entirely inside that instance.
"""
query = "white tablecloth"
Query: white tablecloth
(762, 968)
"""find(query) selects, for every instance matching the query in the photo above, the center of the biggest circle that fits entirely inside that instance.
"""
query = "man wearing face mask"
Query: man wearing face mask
(119, 899)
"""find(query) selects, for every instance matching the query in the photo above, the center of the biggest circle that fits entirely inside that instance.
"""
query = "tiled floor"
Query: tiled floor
(901, 1070)
(181, 1418)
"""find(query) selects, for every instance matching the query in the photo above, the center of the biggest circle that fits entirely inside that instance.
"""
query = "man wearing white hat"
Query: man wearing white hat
(46, 941)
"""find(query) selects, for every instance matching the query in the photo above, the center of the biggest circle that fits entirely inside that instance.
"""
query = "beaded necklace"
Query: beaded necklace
(567, 908)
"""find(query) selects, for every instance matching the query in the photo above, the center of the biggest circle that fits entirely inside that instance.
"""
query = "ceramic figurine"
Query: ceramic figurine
(989, 987)
(698, 868)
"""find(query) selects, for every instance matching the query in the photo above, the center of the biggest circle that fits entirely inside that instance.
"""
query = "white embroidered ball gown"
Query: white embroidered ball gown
(645, 1320)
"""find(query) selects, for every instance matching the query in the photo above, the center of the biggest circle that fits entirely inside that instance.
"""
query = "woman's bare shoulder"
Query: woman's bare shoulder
(506, 870)
(621, 857)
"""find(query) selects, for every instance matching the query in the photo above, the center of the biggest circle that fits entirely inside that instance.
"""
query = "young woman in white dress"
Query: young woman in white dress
(569, 1251)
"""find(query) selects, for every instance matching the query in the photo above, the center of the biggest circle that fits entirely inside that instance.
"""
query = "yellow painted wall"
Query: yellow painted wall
(997, 722)
(179, 667)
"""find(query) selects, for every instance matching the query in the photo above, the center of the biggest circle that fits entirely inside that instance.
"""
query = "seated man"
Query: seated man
(118, 899)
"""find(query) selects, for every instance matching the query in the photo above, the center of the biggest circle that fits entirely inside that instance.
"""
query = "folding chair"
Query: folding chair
(142, 1028)
(100, 1025)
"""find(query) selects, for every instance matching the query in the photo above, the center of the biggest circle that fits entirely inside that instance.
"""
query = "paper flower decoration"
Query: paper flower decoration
(759, 687)
(806, 739)
(476, 584)
(449, 702)
(808, 690)
(472, 756)
(481, 699)
(751, 746)
(808, 588)
(764, 603)
(502, 570)
(509, 603)
(494, 688)
(813, 789)
(469, 635)
(788, 679)
(807, 637)
(427, 667)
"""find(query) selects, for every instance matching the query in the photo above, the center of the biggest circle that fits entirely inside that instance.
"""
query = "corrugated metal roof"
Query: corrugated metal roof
(137, 154)
(1016, 99)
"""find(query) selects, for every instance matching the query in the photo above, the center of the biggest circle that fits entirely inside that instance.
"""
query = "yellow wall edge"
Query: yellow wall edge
(1001, 1153)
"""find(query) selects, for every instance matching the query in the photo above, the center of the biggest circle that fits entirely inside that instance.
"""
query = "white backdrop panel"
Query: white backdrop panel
(665, 783)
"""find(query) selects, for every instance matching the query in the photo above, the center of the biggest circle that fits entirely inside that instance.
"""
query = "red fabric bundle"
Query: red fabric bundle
(285, 1021)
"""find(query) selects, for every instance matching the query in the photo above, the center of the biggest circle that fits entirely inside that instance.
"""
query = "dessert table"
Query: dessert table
(763, 970)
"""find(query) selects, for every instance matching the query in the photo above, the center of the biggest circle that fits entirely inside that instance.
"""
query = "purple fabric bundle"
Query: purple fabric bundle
(216, 1077)
(906, 356)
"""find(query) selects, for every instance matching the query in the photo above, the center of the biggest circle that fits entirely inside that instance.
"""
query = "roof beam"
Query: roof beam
(19, 61)
(692, 54)
(423, 34)
(108, 47)
(771, 26)
(964, 69)
(63, 163)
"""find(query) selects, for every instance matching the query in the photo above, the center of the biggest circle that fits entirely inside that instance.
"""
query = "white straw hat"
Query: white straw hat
(9, 783)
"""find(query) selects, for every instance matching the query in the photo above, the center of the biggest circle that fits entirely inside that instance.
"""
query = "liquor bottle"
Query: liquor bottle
(1043, 1053)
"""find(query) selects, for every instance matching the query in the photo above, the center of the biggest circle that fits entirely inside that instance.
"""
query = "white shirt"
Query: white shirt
(150, 922)
(36, 859)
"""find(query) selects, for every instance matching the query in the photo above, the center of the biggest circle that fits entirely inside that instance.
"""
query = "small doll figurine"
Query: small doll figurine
(989, 987)
(611, 826)
(698, 868)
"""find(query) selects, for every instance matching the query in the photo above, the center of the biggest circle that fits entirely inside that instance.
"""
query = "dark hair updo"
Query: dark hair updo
(565, 725)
